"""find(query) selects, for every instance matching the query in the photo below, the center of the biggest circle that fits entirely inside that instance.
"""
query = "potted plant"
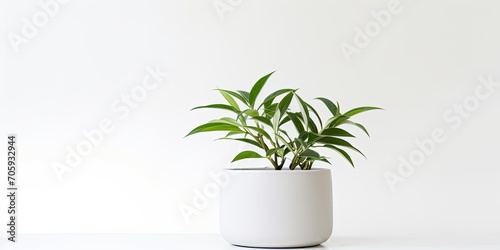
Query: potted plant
(290, 207)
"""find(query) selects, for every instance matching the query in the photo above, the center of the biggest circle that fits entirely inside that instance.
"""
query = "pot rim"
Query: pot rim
(272, 170)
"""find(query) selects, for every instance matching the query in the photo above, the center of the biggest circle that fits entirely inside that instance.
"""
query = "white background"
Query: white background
(428, 58)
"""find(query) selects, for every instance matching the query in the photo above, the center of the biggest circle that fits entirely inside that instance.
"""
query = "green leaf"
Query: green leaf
(284, 103)
(270, 98)
(284, 121)
(312, 126)
(323, 159)
(251, 112)
(271, 151)
(337, 132)
(287, 145)
(246, 140)
(260, 131)
(281, 152)
(304, 111)
(276, 120)
(312, 138)
(300, 143)
(330, 105)
(339, 142)
(337, 120)
(214, 126)
(359, 126)
(356, 111)
(235, 133)
(285, 133)
(256, 89)
(240, 117)
(311, 154)
(245, 95)
(286, 151)
(341, 152)
(217, 106)
(246, 154)
(316, 114)
(264, 120)
(229, 99)
(228, 120)
(234, 94)
(296, 122)
(304, 135)
(270, 110)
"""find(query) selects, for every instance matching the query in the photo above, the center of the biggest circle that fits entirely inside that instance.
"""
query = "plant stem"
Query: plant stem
(283, 159)
(276, 161)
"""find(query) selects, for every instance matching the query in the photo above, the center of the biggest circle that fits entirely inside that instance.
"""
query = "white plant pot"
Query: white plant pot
(269, 208)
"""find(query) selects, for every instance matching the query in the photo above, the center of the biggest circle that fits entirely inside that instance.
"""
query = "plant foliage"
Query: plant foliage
(263, 126)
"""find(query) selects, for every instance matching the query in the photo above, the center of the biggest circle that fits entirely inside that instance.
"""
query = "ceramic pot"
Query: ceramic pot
(269, 208)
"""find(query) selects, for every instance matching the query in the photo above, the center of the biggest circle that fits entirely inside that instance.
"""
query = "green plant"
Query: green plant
(263, 126)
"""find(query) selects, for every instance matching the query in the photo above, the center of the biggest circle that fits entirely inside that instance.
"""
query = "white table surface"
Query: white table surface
(216, 242)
